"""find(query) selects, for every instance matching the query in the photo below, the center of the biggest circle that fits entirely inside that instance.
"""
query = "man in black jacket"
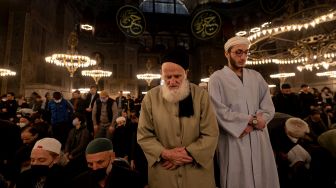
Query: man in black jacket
(105, 170)
(287, 102)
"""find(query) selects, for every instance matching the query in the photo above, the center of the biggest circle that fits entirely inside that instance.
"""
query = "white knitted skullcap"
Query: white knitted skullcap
(48, 144)
(296, 127)
(235, 41)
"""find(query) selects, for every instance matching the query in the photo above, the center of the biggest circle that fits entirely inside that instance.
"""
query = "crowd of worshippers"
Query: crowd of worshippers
(303, 140)
(93, 140)
(303, 136)
(67, 126)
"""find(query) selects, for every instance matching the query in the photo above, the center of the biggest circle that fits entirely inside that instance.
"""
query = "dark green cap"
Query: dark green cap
(99, 145)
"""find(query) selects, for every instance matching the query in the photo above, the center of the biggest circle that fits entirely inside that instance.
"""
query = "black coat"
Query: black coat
(288, 104)
(55, 179)
(279, 139)
(88, 100)
(119, 177)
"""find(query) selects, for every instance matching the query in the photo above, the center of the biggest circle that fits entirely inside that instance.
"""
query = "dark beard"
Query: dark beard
(233, 63)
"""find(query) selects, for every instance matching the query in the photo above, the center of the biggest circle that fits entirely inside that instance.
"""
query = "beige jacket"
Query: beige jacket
(160, 127)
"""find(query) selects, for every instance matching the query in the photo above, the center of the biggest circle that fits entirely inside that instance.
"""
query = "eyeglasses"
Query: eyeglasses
(239, 53)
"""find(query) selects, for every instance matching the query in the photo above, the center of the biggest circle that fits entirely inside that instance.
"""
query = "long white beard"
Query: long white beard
(176, 95)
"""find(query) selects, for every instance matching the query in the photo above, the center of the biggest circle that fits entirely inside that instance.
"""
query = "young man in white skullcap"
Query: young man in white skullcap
(44, 172)
(244, 107)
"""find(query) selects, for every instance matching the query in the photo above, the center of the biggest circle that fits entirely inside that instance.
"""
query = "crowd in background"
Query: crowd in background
(316, 147)
(75, 122)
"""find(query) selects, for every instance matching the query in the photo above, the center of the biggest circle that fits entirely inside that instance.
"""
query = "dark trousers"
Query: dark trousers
(60, 132)
(89, 123)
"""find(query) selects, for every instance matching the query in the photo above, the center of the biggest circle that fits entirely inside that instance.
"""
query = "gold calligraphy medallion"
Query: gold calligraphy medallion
(131, 21)
(206, 24)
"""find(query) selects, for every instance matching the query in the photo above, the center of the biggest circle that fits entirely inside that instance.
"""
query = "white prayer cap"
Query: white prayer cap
(48, 144)
(119, 119)
(235, 41)
(296, 127)
(26, 111)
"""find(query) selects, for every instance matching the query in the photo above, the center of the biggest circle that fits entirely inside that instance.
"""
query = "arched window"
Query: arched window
(164, 6)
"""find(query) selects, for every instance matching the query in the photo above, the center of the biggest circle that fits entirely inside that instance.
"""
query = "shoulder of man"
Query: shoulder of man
(82, 180)
(24, 179)
(121, 174)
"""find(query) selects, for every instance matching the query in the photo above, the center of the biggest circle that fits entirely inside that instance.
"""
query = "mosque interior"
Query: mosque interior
(292, 41)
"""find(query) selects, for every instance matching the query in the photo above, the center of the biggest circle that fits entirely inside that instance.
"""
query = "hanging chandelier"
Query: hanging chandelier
(313, 52)
(331, 74)
(149, 77)
(266, 30)
(7, 72)
(71, 60)
(96, 74)
(282, 75)
(317, 51)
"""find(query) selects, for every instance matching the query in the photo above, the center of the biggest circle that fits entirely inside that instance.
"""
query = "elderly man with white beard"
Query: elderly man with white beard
(177, 129)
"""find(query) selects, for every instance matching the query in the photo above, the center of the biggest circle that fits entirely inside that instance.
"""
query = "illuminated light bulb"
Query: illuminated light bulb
(325, 65)
(255, 29)
(331, 15)
(313, 23)
(300, 27)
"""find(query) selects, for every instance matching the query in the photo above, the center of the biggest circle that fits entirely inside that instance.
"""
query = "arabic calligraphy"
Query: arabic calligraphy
(206, 24)
(131, 21)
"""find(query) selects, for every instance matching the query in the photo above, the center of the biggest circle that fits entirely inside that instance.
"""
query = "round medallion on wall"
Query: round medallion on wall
(131, 21)
(206, 24)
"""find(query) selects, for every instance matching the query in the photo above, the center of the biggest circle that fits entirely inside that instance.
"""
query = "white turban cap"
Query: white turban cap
(235, 41)
(296, 127)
